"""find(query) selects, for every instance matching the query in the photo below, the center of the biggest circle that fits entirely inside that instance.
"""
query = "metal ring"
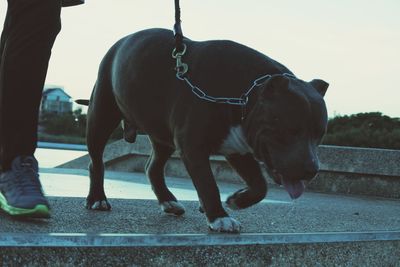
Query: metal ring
(182, 69)
(175, 53)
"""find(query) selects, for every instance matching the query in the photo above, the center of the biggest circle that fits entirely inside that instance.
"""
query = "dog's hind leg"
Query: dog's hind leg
(103, 117)
(155, 172)
(249, 169)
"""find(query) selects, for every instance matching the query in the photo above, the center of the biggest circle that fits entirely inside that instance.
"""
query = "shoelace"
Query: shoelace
(27, 179)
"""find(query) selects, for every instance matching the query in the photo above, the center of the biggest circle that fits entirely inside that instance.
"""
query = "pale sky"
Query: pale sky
(352, 44)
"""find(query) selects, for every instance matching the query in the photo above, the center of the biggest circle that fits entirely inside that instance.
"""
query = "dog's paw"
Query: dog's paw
(172, 207)
(225, 225)
(232, 200)
(245, 198)
(102, 205)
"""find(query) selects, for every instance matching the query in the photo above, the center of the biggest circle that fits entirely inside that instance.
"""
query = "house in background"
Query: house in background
(55, 100)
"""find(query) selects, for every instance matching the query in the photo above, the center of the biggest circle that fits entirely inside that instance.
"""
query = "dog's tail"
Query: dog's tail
(84, 102)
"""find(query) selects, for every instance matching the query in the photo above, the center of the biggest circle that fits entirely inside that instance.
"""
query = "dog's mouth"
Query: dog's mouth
(293, 187)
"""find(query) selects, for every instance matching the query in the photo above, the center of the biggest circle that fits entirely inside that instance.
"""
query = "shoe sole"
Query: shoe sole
(39, 211)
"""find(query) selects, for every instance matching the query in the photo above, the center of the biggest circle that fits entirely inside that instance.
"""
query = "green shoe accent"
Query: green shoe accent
(39, 211)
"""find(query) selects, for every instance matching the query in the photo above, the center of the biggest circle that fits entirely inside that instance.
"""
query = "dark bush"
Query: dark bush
(69, 124)
(364, 130)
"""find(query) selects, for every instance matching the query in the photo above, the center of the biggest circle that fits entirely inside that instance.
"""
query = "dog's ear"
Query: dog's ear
(320, 85)
(274, 85)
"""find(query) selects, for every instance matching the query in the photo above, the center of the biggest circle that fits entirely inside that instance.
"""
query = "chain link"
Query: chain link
(181, 69)
(242, 101)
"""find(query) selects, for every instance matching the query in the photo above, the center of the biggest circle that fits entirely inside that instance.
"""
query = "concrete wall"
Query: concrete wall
(346, 170)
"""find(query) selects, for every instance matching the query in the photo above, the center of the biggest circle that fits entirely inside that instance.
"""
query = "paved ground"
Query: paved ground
(136, 211)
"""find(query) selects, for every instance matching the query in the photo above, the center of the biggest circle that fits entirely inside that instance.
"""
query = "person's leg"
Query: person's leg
(3, 37)
(30, 29)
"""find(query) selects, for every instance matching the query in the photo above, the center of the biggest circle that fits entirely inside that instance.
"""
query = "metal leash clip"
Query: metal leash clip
(181, 68)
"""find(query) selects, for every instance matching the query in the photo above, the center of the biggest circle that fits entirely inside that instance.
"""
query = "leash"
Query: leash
(178, 28)
(180, 48)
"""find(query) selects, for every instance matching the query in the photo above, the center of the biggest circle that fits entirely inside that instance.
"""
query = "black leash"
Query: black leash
(180, 48)
(178, 28)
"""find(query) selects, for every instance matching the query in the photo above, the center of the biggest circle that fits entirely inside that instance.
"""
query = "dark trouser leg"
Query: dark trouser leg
(30, 30)
(3, 36)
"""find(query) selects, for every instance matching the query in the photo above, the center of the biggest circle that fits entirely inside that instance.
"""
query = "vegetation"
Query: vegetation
(364, 130)
(69, 124)
(67, 128)
(57, 138)
(360, 130)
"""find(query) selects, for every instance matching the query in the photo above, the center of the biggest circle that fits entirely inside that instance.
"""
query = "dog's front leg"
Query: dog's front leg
(198, 166)
(249, 169)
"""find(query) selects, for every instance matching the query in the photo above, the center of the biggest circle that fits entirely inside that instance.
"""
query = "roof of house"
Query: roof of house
(51, 90)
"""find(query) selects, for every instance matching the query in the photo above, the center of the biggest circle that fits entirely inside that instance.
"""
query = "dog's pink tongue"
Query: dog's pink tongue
(294, 188)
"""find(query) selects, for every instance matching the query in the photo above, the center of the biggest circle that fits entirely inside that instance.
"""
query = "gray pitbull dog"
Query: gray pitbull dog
(281, 125)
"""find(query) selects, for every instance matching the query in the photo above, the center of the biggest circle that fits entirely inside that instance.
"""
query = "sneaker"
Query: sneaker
(21, 193)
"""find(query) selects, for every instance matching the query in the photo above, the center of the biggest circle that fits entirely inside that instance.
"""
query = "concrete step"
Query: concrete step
(316, 230)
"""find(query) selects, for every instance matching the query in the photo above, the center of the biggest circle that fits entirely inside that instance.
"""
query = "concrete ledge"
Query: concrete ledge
(207, 250)
(344, 170)
(62, 146)
(178, 240)
(360, 160)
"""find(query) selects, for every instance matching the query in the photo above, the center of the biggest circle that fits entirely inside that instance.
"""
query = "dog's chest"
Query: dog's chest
(235, 143)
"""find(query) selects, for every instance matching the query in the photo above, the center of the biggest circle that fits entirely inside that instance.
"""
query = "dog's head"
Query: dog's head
(285, 127)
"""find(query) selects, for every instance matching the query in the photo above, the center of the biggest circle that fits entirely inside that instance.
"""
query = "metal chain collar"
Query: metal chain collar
(242, 101)
(182, 68)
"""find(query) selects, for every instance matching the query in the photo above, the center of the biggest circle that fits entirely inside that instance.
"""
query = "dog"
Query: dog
(280, 121)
